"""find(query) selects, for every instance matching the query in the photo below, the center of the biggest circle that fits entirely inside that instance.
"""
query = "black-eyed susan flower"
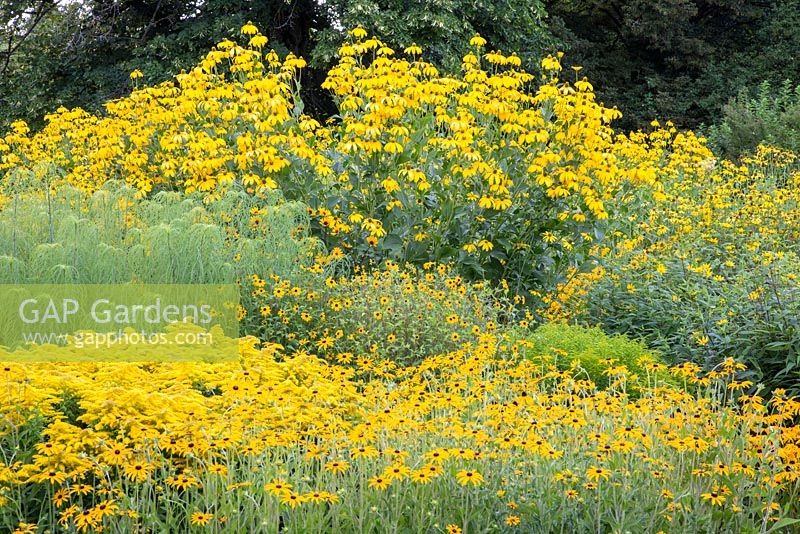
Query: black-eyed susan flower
(465, 477)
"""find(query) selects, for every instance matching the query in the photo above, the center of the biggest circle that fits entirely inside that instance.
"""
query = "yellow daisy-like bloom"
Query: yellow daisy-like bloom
(465, 477)
(337, 466)
(379, 482)
(413, 50)
(278, 487)
(715, 498)
(421, 476)
(292, 499)
(249, 29)
(478, 41)
(201, 518)
(597, 473)
(358, 32)
(258, 41)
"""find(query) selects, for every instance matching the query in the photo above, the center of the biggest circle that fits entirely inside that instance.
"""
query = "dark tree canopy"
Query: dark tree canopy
(672, 59)
(81, 53)
(443, 28)
(678, 59)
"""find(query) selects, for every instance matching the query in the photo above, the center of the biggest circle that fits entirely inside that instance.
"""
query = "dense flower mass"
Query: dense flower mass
(710, 272)
(391, 265)
(478, 436)
(483, 168)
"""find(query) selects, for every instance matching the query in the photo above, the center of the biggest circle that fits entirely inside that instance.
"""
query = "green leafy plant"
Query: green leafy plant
(589, 352)
(390, 314)
(770, 115)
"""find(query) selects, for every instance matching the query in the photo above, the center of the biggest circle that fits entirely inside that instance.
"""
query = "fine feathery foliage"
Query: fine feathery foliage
(589, 353)
(111, 236)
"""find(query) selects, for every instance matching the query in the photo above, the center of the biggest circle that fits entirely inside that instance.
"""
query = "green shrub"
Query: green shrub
(749, 312)
(594, 351)
(768, 115)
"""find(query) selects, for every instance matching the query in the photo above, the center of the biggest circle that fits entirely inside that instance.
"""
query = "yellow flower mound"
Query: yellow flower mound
(406, 137)
(292, 436)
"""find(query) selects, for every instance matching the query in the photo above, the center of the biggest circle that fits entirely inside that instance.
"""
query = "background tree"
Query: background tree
(678, 59)
(443, 27)
(673, 59)
(81, 53)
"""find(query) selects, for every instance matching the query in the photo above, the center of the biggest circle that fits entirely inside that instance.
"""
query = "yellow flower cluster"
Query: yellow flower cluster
(408, 139)
(287, 436)
(228, 119)
(385, 316)
(748, 212)
(480, 122)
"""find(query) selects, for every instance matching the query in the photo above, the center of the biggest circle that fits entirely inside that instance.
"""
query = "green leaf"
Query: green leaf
(783, 523)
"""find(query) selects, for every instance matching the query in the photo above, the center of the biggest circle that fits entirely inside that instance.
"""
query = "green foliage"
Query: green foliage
(594, 351)
(750, 314)
(111, 236)
(442, 28)
(677, 59)
(769, 115)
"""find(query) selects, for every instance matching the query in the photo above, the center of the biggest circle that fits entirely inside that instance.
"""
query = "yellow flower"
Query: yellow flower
(413, 50)
(596, 473)
(26, 528)
(337, 466)
(278, 487)
(249, 29)
(485, 245)
(182, 482)
(465, 477)
(358, 32)
(292, 499)
(421, 476)
(715, 498)
(201, 518)
(379, 482)
(551, 63)
(477, 41)
(136, 471)
(259, 41)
